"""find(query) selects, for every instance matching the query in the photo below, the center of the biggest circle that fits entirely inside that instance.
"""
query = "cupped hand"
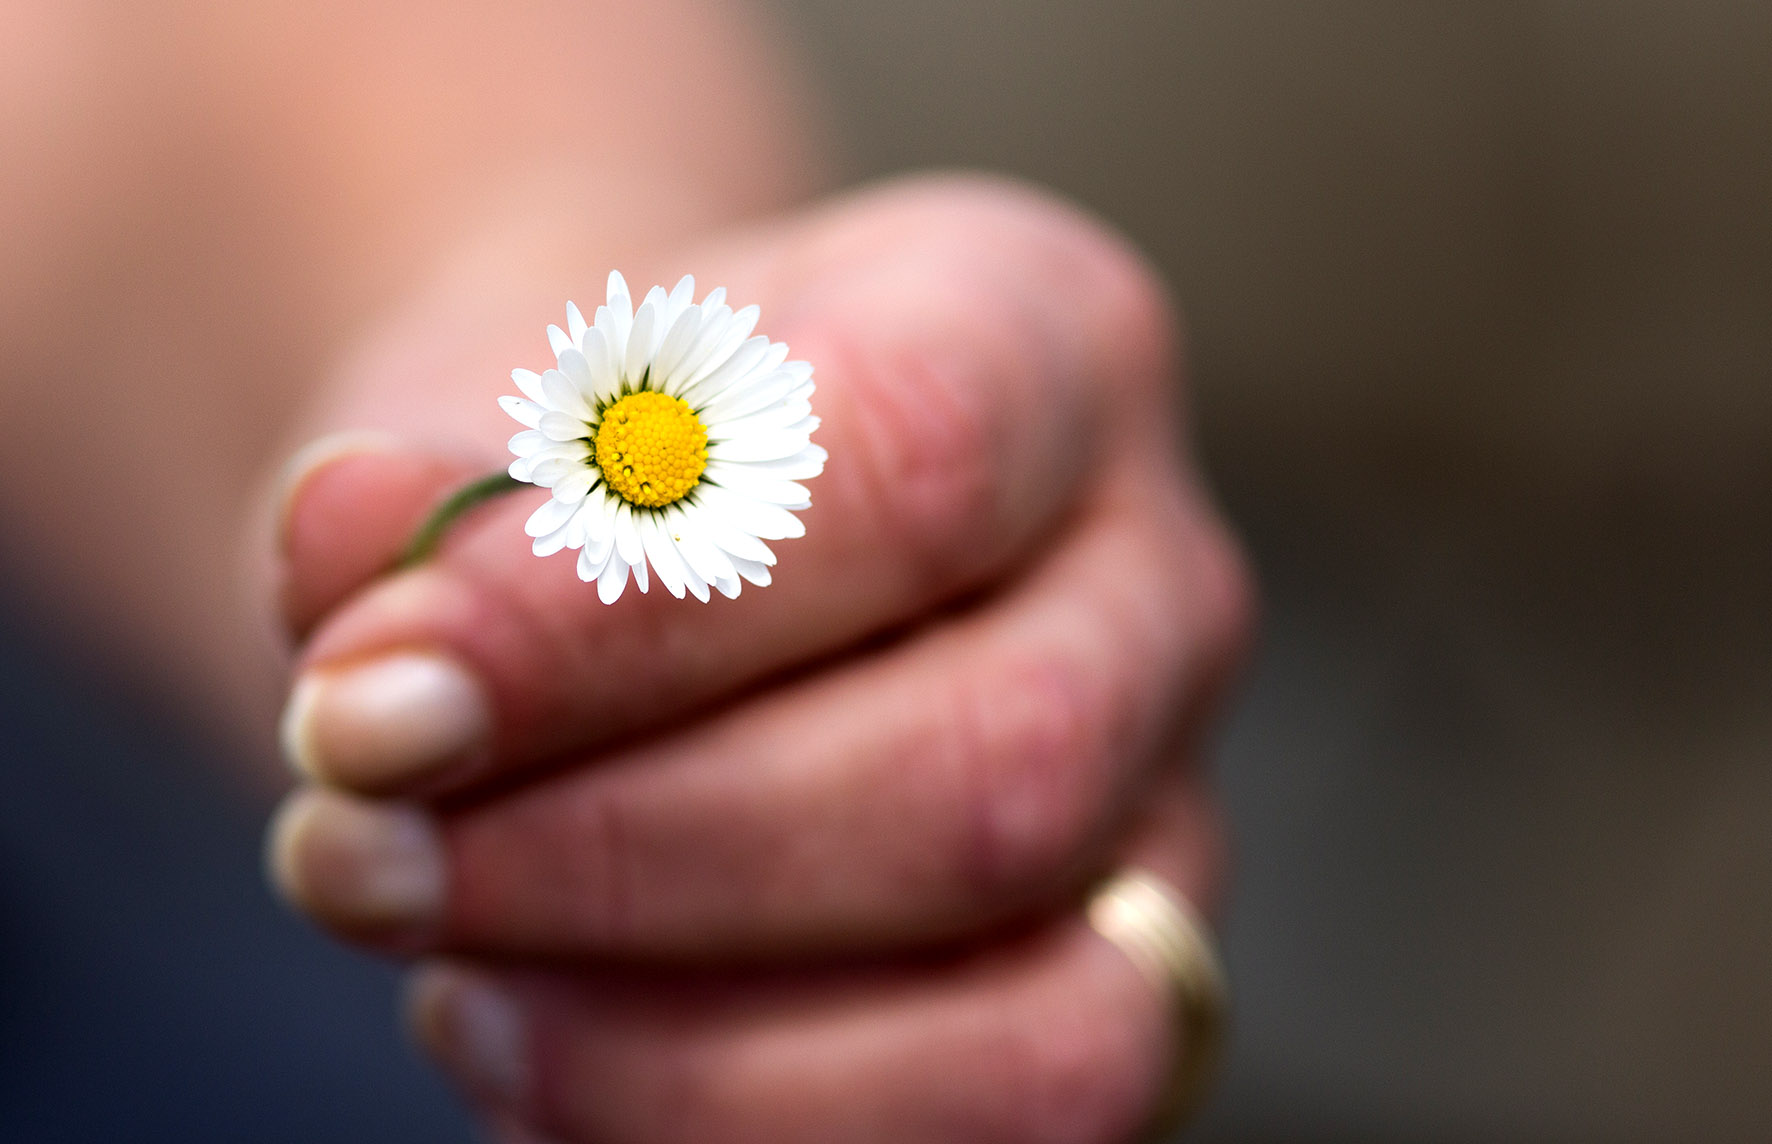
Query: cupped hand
(806, 864)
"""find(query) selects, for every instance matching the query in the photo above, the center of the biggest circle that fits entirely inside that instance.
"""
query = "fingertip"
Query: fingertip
(371, 870)
(314, 456)
(349, 506)
(473, 1027)
(387, 721)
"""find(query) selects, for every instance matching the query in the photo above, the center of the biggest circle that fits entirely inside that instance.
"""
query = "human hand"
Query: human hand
(804, 864)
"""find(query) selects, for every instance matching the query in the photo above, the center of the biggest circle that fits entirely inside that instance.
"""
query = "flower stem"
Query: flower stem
(424, 542)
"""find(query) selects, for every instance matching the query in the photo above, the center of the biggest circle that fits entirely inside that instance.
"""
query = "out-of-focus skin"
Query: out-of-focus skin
(204, 205)
(806, 865)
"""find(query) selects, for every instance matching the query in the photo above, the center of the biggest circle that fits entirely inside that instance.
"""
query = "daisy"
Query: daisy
(669, 437)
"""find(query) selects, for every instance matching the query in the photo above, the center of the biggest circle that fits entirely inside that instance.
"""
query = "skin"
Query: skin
(806, 865)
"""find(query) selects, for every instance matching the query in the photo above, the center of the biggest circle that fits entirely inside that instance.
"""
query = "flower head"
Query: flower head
(669, 437)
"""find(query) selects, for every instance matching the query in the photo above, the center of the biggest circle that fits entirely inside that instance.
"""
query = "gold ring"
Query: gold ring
(1156, 928)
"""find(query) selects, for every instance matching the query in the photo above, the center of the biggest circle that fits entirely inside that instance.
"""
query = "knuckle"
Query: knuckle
(1026, 752)
(549, 873)
(922, 450)
(1115, 292)
(605, 902)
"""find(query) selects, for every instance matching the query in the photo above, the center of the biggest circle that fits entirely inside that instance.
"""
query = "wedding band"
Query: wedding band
(1156, 928)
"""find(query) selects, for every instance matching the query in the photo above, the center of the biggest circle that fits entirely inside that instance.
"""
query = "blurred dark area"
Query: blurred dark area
(1479, 299)
(150, 988)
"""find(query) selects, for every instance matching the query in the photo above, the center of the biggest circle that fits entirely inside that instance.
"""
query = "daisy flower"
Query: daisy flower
(670, 438)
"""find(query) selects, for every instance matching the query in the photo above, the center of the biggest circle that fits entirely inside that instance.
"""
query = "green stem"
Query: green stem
(430, 534)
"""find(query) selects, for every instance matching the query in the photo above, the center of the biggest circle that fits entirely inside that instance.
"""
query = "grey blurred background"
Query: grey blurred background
(1480, 298)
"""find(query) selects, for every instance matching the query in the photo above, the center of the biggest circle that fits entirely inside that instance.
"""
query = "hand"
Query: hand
(804, 865)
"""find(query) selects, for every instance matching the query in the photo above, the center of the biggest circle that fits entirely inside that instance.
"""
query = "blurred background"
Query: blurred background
(1480, 299)
(1480, 309)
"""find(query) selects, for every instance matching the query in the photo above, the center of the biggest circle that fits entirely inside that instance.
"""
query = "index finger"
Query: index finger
(977, 350)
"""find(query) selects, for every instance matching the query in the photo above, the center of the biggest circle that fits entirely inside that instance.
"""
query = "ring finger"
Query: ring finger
(1051, 1036)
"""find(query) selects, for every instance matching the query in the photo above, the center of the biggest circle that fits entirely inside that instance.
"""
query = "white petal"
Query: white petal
(696, 585)
(711, 335)
(716, 297)
(557, 339)
(732, 540)
(757, 574)
(755, 394)
(759, 518)
(662, 554)
(598, 516)
(682, 297)
(613, 579)
(738, 328)
(526, 413)
(676, 343)
(758, 447)
(578, 371)
(528, 442)
(698, 550)
(746, 319)
(577, 452)
(735, 369)
(736, 479)
(661, 321)
(563, 395)
(573, 487)
(529, 382)
(553, 541)
(605, 377)
(575, 322)
(729, 586)
(590, 565)
(563, 427)
(642, 579)
(804, 465)
(778, 356)
(616, 318)
(639, 345)
(718, 385)
(551, 516)
(777, 415)
(547, 471)
(627, 537)
(569, 535)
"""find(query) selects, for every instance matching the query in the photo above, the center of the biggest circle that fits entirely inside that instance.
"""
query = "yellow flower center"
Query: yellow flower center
(652, 449)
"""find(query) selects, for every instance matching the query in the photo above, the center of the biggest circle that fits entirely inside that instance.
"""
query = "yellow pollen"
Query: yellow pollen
(652, 449)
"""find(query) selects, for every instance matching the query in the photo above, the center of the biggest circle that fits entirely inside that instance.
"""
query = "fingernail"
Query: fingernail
(316, 455)
(473, 1028)
(385, 722)
(369, 868)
